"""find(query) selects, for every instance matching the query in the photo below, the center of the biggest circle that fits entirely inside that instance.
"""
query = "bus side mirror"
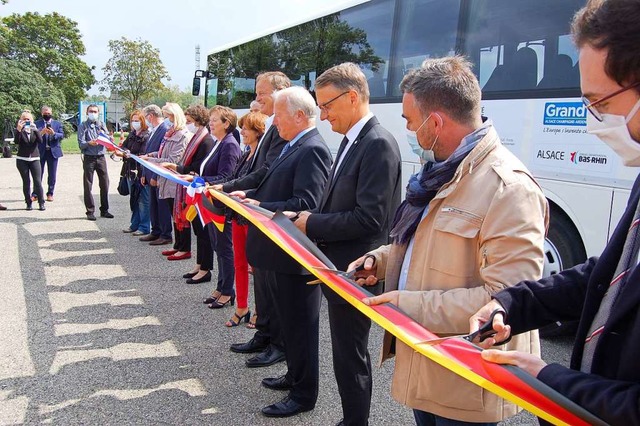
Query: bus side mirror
(195, 91)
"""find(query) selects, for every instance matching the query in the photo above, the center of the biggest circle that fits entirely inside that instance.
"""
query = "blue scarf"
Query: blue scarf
(424, 186)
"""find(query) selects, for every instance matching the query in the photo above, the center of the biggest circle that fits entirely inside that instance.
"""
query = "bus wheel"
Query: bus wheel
(563, 249)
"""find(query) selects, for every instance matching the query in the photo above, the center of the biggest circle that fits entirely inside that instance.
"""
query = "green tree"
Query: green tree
(52, 45)
(21, 87)
(171, 93)
(134, 71)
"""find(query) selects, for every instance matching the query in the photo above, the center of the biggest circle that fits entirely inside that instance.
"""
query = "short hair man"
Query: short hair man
(50, 149)
(473, 220)
(254, 106)
(354, 216)
(93, 161)
(267, 339)
(294, 182)
(160, 215)
(602, 293)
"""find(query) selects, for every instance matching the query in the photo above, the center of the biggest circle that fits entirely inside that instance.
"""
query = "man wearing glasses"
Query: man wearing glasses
(603, 293)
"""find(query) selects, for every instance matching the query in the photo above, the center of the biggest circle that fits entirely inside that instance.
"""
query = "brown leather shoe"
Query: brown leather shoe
(49, 197)
(149, 237)
(160, 242)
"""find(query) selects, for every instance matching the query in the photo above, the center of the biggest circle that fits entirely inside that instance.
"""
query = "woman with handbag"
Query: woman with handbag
(135, 143)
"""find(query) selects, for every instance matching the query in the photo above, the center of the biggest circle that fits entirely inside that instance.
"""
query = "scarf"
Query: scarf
(181, 191)
(423, 187)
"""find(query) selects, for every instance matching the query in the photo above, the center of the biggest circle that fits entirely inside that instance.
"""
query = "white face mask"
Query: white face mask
(92, 116)
(192, 128)
(426, 155)
(613, 131)
(149, 125)
(135, 125)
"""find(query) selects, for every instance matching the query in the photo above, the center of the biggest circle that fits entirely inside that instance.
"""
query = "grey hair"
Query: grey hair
(46, 107)
(298, 99)
(254, 104)
(152, 110)
(445, 84)
(344, 77)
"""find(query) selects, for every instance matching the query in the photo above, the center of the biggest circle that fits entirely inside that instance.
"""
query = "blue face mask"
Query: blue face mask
(426, 155)
(168, 122)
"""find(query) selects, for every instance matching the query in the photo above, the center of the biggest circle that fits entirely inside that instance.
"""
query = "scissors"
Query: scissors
(348, 275)
(483, 332)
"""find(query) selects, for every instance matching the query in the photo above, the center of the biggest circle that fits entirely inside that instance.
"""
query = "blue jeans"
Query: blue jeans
(140, 217)
(427, 419)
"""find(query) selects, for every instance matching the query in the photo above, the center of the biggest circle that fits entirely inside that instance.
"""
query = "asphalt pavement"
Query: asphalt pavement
(97, 328)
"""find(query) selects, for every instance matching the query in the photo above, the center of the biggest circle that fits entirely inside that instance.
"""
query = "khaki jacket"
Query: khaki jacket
(484, 231)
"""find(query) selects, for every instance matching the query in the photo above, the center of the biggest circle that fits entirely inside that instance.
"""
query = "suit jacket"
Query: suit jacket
(28, 143)
(223, 162)
(153, 145)
(294, 182)
(269, 149)
(359, 202)
(51, 141)
(612, 392)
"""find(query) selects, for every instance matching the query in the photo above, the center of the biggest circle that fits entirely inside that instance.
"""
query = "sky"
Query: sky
(175, 28)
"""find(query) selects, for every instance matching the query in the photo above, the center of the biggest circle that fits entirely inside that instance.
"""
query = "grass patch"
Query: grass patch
(70, 144)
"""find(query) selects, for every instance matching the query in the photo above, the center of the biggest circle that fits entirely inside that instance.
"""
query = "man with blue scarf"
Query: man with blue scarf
(473, 222)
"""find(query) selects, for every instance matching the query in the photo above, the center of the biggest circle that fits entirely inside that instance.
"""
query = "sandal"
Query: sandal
(216, 304)
(213, 298)
(233, 323)
(251, 324)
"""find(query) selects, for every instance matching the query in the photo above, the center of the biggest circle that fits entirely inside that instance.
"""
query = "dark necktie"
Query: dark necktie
(284, 150)
(343, 145)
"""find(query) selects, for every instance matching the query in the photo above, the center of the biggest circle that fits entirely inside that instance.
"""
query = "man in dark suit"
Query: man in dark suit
(293, 182)
(267, 339)
(161, 225)
(353, 218)
(603, 293)
(50, 149)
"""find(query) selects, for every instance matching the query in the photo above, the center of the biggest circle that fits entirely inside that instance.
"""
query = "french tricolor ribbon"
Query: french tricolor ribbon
(104, 140)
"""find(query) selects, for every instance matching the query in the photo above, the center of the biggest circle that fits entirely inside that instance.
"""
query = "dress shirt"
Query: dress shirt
(351, 136)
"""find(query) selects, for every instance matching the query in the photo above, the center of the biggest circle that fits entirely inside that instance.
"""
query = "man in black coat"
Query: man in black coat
(353, 218)
(603, 293)
(293, 182)
(267, 339)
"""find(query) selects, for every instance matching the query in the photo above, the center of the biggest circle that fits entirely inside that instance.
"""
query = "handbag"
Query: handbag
(123, 186)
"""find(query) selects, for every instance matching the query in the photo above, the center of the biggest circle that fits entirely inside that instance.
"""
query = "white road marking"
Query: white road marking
(60, 276)
(62, 301)
(112, 324)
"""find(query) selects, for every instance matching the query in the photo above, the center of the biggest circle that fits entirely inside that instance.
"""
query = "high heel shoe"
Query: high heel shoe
(233, 323)
(212, 298)
(251, 324)
(205, 278)
(217, 305)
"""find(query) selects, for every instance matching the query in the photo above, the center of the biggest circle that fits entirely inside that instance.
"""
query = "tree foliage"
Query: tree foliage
(134, 71)
(300, 52)
(23, 88)
(52, 45)
(171, 93)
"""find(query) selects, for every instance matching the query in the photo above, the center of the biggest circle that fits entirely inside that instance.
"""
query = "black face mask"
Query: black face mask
(46, 117)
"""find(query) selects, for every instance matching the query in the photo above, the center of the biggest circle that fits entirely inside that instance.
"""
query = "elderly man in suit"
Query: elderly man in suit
(294, 182)
(159, 212)
(267, 339)
(50, 149)
(353, 217)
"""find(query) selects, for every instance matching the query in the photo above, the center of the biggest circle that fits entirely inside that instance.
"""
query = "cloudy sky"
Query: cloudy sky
(175, 28)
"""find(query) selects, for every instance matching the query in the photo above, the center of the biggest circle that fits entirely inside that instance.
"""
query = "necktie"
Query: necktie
(284, 150)
(343, 145)
(627, 261)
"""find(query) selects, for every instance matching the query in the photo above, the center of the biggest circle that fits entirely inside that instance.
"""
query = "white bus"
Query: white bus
(527, 67)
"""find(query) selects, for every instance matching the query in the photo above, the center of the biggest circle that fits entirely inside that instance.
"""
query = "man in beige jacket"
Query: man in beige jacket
(473, 222)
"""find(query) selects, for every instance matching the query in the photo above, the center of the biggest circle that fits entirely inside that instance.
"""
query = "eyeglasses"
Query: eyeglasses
(591, 105)
(324, 108)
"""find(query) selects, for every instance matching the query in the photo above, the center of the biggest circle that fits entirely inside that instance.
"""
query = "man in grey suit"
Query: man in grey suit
(353, 218)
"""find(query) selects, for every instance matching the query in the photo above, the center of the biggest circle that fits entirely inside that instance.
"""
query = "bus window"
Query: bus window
(425, 29)
(514, 54)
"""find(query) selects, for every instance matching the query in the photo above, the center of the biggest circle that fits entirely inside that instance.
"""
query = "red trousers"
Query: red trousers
(239, 238)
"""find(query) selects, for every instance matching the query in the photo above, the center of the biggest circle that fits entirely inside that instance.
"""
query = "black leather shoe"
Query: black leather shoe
(266, 358)
(91, 216)
(285, 408)
(277, 383)
(106, 214)
(204, 279)
(252, 346)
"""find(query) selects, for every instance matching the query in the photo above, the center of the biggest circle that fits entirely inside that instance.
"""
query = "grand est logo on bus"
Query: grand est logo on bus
(565, 114)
